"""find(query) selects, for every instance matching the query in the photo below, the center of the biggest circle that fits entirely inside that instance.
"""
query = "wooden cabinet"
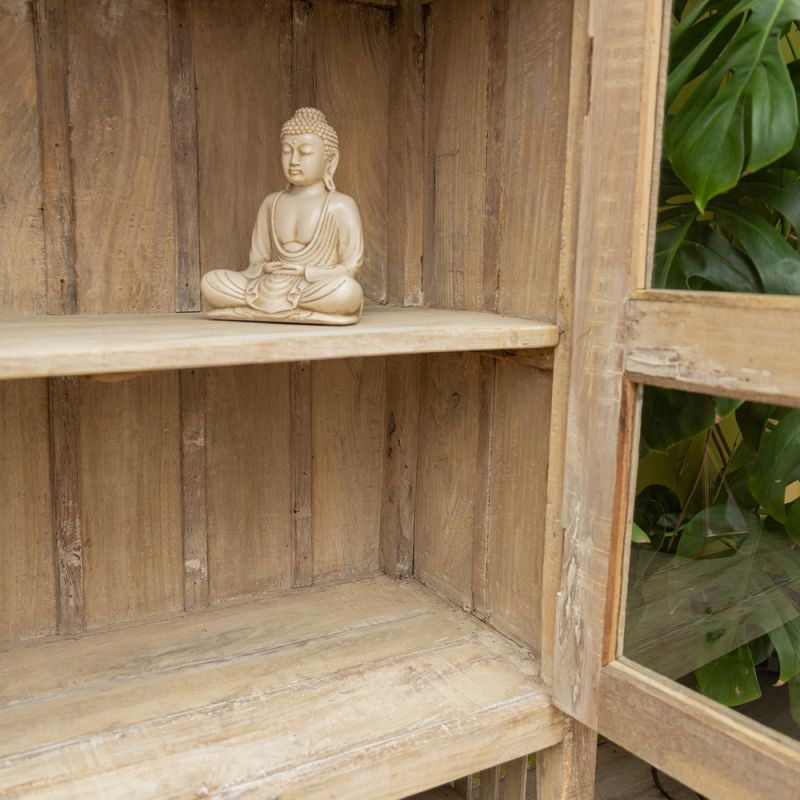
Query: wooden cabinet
(271, 560)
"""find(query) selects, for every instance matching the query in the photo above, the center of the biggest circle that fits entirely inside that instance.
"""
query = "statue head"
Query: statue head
(310, 149)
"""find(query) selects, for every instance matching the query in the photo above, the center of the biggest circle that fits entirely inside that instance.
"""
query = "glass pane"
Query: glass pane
(714, 580)
(729, 205)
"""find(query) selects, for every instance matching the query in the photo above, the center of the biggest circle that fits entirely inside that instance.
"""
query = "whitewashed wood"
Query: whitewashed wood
(715, 750)
(40, 346)
(566, 770)
(323, 692)
(738, 344)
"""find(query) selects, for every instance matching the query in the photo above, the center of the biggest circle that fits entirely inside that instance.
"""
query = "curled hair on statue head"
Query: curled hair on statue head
(313, 121)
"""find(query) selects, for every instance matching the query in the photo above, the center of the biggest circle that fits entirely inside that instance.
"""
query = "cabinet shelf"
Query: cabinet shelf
(80, 345)
(370, 688)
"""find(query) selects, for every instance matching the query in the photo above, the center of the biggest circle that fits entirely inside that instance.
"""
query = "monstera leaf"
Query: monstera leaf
(743, 113)
(777, 465)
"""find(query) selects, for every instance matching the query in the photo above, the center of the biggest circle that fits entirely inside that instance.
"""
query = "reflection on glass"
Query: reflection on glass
(714, 582)
(729, 206)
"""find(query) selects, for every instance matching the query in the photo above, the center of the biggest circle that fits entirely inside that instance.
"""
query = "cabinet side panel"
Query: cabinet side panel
(27, 566)
(518, 501)
(242, 51)
(22, 252)
(534, 153)
(446, 482)
(351, 64)
(248, 469)
(119, 99)
(457, 59)
(130, 497)
(347, 398)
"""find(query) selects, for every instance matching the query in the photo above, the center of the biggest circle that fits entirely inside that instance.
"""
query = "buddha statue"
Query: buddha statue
(307, 241)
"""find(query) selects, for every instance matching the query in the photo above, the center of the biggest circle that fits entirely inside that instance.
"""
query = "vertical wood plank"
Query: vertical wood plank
(304, 84)
(446, 483)
(28, 587)
(456, 69)
(406, 180)
(193, 488)
(248, 493)
(351, 68)
(184, 156)
(22, 262)
(119, 109)
(59, 199)
(483, 487)
(63, 394)
(489, 784)
(566, 770)
(302, 454)
(515, 781)
(129, 467)
(465, 787)
(347, 431)
(401, 443)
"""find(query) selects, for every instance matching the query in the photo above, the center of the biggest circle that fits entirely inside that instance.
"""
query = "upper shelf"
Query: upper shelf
(39, 346)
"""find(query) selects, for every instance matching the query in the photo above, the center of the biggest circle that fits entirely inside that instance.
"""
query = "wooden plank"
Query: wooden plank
(57, 163)
(401, 447)
(304, 76)
(730, 344)
(406, 179)
(301, 448)
(64, 406)
(565, 771)
(184, 156)
(715, 750)
(227, 696)
(464, 787)
(518, 489)
(347, 434)
(614, 211)
(27, 569)
(489, 784)
(22, 262)
(193, 489)
(446, 483)
(129, 467)
(457, 41)
(119, 110)
(351, 67)
(42, 346)
(515, 781)
(249, 499)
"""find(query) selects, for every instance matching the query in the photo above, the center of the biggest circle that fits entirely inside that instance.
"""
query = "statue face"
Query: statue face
(303, 159)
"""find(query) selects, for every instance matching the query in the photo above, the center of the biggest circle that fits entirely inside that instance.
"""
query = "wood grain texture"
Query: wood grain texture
(565, 771)
(518, 489)
(347, 399)
(351, 67)
(406, 178)
(414, 690)
(456, 67)
(446, 482)
(614, 211)
(301, 446)
(184, 156)
(119, 110)
(249, 480)
(489, 784)
(129, 466)
(22, 262)
(57, 165)
(243, 64)
(64, 407)
(304, 76)
(515, 781)
(401, 448)
(715, 750)
(731, 344)
(534, 151)
(193, 400)
(27, 569)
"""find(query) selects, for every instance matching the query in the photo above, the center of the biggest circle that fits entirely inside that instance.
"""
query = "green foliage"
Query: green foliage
(729, 215)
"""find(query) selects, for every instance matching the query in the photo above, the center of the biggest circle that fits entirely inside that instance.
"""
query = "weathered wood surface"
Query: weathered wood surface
(301, 457)
(566, 770)
(733, 344)
(214, 701)
(515, 780)
(715, 750)
(40, 346)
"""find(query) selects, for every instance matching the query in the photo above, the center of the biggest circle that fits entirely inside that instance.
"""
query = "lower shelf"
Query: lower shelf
(373, 688)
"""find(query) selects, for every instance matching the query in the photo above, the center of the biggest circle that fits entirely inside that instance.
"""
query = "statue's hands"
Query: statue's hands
(272, 266)
(319, 273)
(292, 269)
